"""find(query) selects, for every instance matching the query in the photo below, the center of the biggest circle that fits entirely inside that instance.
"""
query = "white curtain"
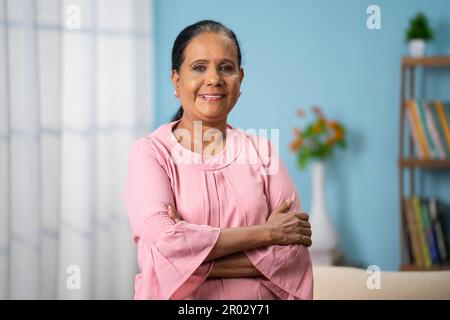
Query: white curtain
(75, 91)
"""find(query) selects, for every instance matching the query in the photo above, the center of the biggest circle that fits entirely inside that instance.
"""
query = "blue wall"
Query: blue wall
(299, 53)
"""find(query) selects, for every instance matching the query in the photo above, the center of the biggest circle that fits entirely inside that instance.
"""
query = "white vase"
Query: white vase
(324, 238)
(417, 48)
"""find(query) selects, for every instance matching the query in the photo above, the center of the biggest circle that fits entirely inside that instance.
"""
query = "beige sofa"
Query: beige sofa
(351, 283)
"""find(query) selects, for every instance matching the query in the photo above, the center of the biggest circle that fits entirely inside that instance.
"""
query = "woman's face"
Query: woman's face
(209, 80)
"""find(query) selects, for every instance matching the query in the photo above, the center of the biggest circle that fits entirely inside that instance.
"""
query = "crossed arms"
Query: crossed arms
(281, 228)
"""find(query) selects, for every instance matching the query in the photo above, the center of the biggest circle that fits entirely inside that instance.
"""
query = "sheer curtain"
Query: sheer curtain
(75, 91)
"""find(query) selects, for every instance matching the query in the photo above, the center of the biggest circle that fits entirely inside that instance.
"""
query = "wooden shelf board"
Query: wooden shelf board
(431, 61)
(432, 164)
(412, 267)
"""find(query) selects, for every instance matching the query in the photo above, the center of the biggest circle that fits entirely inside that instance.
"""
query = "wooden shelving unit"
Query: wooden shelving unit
(409, 162)
(418, 163)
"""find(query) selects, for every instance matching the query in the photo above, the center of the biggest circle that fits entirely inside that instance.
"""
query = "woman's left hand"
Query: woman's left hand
(305, 231)
(173, 213)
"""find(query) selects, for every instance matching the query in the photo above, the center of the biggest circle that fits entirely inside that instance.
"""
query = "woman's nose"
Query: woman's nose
(213, 77)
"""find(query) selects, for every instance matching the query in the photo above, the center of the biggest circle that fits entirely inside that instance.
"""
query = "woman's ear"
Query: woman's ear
(175, 79)
(241, 74)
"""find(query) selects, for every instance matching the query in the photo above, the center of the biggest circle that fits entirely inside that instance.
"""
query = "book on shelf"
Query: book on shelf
(443, 120)
(433, 133)
(413, 234)
(432, 152)
(419, 130)
(414, 130)
(441, 237)
(437, 130)
(429, 124)
(427, 231)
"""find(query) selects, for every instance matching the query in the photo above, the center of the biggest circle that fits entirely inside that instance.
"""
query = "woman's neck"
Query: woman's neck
(201, 137)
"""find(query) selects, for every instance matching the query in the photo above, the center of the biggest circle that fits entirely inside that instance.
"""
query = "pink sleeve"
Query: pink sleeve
(176, 251)
(288, 269)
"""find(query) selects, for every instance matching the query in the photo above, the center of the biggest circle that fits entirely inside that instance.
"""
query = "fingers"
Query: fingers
(173, 213)
(299, 232)
(306, 232)
(306, 241)
(170, 212)
(284, 206)
(302, 216)
(302, 237)
(304, 224)
(301, 222)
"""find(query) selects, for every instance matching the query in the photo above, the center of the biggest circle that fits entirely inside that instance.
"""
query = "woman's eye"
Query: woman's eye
(227, 68)
(199, 68)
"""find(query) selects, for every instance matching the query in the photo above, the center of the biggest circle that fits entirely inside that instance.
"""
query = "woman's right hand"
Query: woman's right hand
(289, 227)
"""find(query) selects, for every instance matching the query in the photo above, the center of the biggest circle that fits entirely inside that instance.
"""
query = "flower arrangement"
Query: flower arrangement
(318, 139)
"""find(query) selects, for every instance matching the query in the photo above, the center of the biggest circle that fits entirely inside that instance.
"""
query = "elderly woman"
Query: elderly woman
(215, 217)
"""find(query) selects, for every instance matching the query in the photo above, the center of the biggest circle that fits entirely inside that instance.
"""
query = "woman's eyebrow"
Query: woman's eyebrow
(206, 61)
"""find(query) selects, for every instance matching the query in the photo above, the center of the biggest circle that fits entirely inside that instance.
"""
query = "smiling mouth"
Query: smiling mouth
(211, 97)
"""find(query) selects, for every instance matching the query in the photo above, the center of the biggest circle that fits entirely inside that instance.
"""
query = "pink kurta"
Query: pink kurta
(238, 187)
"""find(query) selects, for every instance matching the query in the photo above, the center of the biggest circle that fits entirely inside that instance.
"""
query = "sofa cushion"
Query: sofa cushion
(351, 283)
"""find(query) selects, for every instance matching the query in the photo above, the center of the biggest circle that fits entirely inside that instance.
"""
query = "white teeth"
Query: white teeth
(211, 97)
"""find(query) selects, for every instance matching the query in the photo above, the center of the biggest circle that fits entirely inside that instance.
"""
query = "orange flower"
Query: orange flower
(317, 126)
(296, 144)
(330, 141)
(337, 128)
(333, 124)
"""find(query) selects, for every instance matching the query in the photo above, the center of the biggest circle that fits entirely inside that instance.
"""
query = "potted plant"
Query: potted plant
(418, 33)
(316, 142)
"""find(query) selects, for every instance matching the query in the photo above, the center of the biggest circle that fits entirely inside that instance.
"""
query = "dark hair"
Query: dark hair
(190, 32)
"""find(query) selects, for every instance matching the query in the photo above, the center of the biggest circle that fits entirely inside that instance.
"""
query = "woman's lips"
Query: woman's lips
(211, 97)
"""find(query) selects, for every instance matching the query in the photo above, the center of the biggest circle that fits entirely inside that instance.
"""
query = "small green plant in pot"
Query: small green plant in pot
(417, 35)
